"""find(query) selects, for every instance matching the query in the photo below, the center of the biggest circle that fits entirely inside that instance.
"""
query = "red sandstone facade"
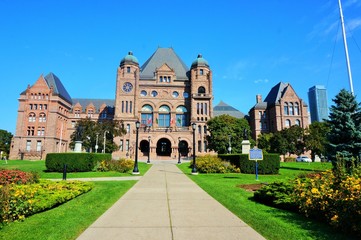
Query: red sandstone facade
(163, 94)
(281, 108)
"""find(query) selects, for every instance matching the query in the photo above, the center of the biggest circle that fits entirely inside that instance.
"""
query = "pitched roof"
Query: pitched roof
(223, 108)
(161, 56)
(276, 93)
(84, 102)
(58, 88)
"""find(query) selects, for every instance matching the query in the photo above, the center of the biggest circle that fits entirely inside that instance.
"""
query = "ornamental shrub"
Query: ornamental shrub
(17, 177)
(213, 164)
(269, 165)
(75, 162)
(276, 194)
(122, 165)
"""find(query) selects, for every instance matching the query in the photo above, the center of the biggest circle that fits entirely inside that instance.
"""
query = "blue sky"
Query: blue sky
(250, 45)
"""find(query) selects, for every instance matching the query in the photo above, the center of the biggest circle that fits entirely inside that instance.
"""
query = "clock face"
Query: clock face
(127, 87)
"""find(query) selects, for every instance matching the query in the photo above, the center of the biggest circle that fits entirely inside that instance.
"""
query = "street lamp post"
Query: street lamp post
(136, 170)
(179, 154)
(229, 144)
(148, 149)
(105, 133)
(96, 143)
(194, 168)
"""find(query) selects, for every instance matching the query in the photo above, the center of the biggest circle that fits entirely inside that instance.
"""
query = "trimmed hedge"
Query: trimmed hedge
(75, 162)
(269, 165)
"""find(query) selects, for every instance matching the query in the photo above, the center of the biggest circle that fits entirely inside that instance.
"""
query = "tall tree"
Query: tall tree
(345, 129)
(316, 138)
(224, 128)
(91, 133)
(294, 138)
(264, 142)
(5, 141)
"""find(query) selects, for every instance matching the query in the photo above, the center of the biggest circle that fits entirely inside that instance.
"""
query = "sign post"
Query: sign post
(255, 154)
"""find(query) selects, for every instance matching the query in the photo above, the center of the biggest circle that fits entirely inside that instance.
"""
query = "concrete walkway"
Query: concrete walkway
(165, 204)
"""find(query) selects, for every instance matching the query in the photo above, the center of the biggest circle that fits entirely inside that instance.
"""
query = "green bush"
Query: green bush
(75, 162)
(269, 165)
(277, 194)
(122, 165)
(213, 164)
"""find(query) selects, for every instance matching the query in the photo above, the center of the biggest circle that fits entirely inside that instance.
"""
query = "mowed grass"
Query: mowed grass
(70, 219)
(39, 167)
(272, 223)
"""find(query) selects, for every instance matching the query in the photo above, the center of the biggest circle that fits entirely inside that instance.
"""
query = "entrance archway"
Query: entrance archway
(144, 147)
(183, 148)
(164, 147)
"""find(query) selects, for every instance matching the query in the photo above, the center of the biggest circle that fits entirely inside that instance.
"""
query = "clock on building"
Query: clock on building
(127, 87)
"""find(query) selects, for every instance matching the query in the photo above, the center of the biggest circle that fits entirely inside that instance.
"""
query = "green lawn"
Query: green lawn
(272, 223)
(70, 219)
(39, 166)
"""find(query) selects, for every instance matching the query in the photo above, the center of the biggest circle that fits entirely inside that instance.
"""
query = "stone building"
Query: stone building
(163, 94)
(281, 108)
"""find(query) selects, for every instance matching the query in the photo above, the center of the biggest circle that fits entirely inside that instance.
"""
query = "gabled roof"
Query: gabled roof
(58, 88)
(276, 93)
(161, 56)
(223, 108)
(84, 102)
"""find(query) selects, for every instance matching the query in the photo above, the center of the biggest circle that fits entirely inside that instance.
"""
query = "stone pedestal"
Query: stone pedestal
(78, 146)
(246, 146)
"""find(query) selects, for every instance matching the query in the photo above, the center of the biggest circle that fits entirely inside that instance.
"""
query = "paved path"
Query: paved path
(165, 204)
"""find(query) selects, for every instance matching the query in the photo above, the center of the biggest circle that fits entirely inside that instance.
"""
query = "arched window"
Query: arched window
(297, 111)
(181, 116)
(201, 90)
(288, 123)
(298, 122)
(164, 116)
(42, 117)
(147, 115)
(290, 107)
(286, 109)
(32, 117)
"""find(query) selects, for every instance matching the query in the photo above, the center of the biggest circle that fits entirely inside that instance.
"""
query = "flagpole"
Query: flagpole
(346, 49)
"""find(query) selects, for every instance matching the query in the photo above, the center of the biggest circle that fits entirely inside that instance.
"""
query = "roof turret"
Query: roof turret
(129, 59)
(200, 61)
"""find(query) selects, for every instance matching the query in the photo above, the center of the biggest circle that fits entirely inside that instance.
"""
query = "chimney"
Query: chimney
(258, 98)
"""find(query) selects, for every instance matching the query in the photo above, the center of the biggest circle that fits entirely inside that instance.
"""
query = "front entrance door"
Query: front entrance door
(164, 147)
(183, 148)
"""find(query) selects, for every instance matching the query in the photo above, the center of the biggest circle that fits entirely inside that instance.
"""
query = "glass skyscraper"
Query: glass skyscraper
(317, 98)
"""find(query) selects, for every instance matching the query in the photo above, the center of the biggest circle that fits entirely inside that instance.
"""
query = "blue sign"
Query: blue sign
(255, 154)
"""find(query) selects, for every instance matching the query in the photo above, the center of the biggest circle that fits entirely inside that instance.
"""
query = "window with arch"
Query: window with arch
(32, 117)
(285, 108)
(147, 115)
(164, 116)
(181, 116)
(201, 90)
(297, 111)
(288, 123)
(42, 117)
(298, 122)
(290, 108)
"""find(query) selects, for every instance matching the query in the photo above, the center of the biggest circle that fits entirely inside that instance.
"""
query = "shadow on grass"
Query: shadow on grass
(316, 228)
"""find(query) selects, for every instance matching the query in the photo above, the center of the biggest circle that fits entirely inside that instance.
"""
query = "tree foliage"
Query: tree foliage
(224, 126)
(89, 131)
(345, 129)
(316, 138)
(5, 141)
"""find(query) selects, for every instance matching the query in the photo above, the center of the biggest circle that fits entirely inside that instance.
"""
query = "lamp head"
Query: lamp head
(194, 126)
(137, 124)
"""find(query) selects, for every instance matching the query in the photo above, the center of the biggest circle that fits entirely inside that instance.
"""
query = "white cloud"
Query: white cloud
(261, 81)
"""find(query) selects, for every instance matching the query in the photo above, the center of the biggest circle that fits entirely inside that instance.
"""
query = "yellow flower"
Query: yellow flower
(334, 218)
(314, 191)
